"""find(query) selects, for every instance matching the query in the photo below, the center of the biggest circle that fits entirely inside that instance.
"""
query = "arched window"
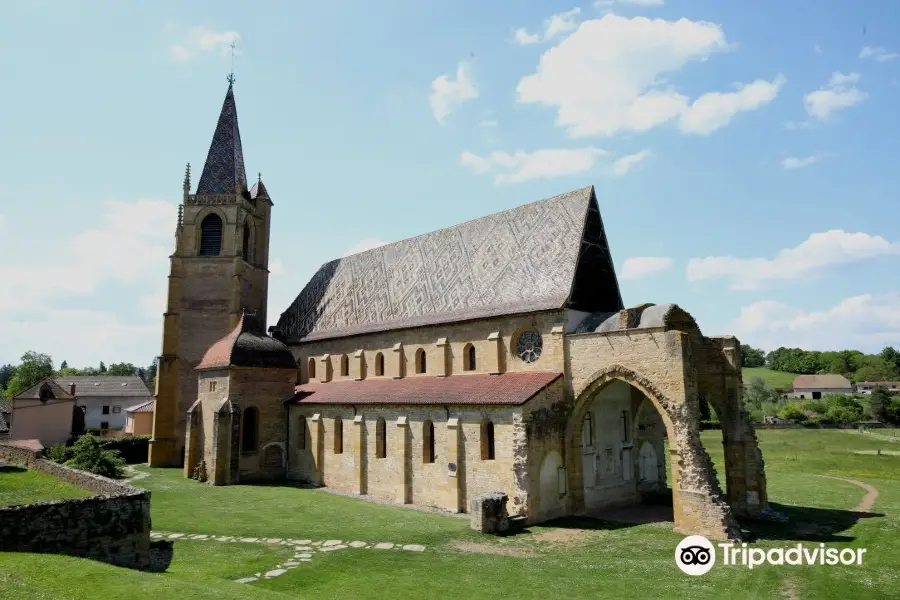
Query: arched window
(311, 367)
(338, 435)
(379, 364)
(469, 358)
(301, 433)
(211, 236)
(345, 365)
(250, 430)
(380, 438)
(428, 442)
(421, 365)
(487, 440)
(245, 249)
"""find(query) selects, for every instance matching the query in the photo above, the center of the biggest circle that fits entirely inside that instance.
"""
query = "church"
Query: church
(493, 355)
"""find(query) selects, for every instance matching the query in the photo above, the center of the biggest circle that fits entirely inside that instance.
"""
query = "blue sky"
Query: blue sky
(744, 155)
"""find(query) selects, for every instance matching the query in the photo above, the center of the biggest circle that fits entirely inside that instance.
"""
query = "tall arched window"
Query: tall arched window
(487, 440)
(469, 358)
(338, 435)
(421, 365)
(587, 431)
(380, 438)
(428, 442)
(345, 365)
(301, 433)
(311, 367)
(211, 236)
(250, 430)
(245, 249)
(379, 364)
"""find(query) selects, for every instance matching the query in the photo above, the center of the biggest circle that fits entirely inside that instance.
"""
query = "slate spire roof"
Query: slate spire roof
(224, 171)
(546, 255)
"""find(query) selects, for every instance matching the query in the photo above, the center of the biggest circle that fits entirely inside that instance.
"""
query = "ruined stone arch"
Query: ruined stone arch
(698, 502)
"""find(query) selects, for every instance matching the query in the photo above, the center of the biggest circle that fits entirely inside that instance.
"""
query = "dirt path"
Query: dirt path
(868, 501)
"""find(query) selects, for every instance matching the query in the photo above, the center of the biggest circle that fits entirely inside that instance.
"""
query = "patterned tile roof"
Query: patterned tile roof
(526, 259)
(247, 346)
(224, 171)
(146, 407)
(88, 386)
(506, 388)
(822, 381)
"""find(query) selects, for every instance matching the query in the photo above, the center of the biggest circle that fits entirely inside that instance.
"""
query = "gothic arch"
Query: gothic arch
(198, 221)
(693, 478)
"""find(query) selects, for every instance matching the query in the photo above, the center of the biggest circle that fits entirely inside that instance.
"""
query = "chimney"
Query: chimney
(72, 389)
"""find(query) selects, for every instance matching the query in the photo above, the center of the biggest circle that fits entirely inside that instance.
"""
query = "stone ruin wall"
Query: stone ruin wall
(111, 527)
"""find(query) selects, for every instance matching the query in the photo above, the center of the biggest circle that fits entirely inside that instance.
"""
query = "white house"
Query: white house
(105, 398)
(866, 387)
(813, 387)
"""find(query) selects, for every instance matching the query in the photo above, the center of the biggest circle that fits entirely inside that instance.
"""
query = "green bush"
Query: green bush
(60, 453)
(89, 456)
(793, 412)
(133, 448)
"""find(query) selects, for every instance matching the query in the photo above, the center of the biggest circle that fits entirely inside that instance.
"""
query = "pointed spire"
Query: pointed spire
(224, 171)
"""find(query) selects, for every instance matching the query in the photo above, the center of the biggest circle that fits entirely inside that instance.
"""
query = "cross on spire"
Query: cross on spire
(231, 74)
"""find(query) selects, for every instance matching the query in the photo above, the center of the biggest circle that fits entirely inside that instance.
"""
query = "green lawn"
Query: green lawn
(776, 379)
(572, 558)
(20, 486)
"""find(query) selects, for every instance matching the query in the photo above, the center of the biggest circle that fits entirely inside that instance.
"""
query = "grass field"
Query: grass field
(20, 486)
(571, 558)
(775, 379)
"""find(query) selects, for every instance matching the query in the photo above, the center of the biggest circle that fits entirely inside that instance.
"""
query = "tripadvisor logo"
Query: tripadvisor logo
(696, 555)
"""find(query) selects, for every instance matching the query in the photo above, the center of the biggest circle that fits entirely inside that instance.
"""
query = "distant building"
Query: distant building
(43, 412)
(866, 387)
(5, 410)
(139, 419)
(815, 386)
(105, 398)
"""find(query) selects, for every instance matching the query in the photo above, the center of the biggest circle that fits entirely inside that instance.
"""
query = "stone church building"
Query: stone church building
(494, 355)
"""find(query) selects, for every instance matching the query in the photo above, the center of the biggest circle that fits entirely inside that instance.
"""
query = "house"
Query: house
(492, 355)
(815, 386)
(866, 387)
(5, 410)
(43, 412)
(139, 418)
(105, 398)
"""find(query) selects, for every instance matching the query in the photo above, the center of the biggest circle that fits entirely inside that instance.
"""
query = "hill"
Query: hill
(777, 380)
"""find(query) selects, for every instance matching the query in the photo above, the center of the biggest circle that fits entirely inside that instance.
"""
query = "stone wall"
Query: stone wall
(112, 526)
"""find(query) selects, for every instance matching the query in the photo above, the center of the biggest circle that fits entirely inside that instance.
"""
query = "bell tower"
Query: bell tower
(219, 269)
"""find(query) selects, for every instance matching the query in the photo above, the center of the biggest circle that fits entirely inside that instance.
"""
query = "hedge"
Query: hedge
(133, 448)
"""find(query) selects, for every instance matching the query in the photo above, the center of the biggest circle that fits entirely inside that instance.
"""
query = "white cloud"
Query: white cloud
(714, 110)
(839, 93)
(641, 266)
(202, 40)
(819, 252)
(362, 246)
(540, 164)
(867, 322)
(792, 162)
(607, 3)
(610, 76)
(817, 49)
(126, 253)
(448, 94)
(878, 54)
(559, 23)
(623, 165)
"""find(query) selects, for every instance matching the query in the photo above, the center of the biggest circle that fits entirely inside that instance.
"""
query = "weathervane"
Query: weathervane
(231, 75)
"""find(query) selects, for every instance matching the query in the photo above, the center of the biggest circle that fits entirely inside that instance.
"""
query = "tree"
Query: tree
(752, 357)
(89, 456)
(879, 403)
(6, 373)
(33, 368)
(63, 366)
(121, 369)
(102, 368)
(149, 376)
(875, 368)
(890, 355)
(758, 392)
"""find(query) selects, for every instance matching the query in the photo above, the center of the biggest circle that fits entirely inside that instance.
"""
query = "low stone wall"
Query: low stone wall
(111, 527)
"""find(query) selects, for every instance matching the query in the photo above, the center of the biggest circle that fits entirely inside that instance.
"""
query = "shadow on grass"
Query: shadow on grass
(12, 469)
(808, 524)
(585, 522)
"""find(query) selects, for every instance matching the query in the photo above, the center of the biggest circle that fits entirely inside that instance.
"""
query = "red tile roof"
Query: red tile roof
(506, 388)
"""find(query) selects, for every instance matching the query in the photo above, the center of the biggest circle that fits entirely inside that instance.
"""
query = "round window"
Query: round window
(528, 347)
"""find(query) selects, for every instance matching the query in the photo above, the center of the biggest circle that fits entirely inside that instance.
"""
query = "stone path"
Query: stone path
(304, 550)
(868, 501)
